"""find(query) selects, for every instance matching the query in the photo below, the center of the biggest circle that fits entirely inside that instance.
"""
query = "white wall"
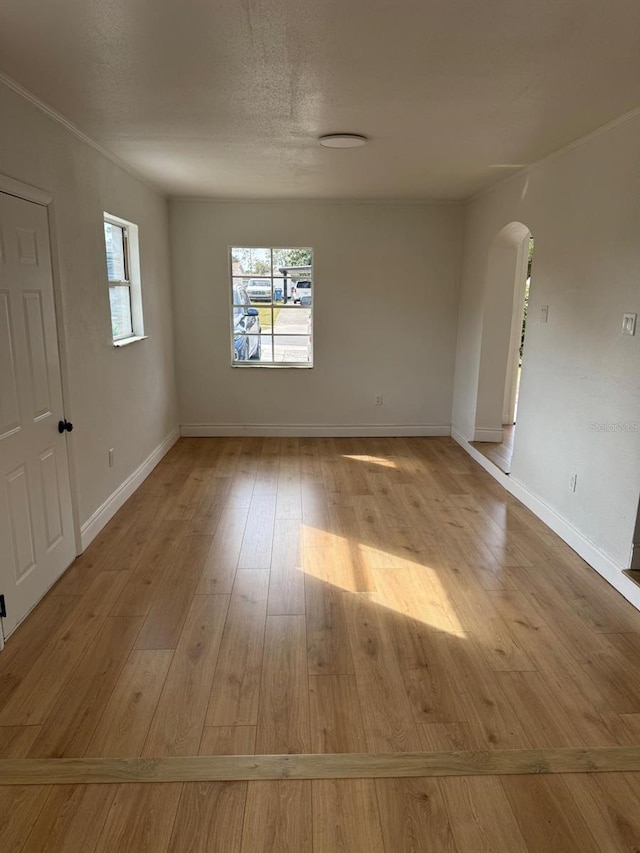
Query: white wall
(583, 209)
(386, 296)
(121, 398)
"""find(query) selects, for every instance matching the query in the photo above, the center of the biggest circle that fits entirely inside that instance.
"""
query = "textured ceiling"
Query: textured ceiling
(227, 97)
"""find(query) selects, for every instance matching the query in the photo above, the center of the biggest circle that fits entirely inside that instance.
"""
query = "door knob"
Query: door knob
(64, 426)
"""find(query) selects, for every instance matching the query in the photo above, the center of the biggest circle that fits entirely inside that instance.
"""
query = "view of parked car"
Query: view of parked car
(303, 293)
(247, 344)
(259, 289)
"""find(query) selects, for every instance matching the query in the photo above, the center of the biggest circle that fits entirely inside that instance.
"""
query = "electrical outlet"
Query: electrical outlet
(111, 457)
(379, 399)
(629, 324)
(573, 482)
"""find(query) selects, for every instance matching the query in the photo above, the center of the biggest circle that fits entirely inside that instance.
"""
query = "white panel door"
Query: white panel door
(36, 527)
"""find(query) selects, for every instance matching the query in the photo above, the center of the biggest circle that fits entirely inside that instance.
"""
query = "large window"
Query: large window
(123, 276)
(272, 294)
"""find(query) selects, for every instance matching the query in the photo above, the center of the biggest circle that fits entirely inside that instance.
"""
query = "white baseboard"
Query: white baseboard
(105, 513)
(320, 430)
(488, 435)
(589, 551)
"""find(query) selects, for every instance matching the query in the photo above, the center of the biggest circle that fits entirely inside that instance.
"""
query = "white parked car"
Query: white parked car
(303, 292)
(259, 289)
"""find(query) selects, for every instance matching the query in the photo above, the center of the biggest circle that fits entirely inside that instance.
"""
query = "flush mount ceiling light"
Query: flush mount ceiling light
(343, 140)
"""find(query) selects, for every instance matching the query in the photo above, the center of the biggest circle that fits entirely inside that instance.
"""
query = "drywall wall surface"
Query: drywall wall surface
(579, 409)
(385, 314)
(117, 398)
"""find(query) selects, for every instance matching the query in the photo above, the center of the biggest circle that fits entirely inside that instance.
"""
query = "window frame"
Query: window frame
(296, 365)
(132, 280)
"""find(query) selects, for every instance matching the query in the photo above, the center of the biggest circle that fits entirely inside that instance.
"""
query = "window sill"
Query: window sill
(124, 342)
(295, 365)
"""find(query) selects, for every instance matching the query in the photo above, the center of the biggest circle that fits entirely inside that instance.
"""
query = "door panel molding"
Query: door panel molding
(42, 500)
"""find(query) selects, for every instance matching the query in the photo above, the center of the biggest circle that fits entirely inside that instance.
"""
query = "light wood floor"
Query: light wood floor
(499, 453)
(296, 596)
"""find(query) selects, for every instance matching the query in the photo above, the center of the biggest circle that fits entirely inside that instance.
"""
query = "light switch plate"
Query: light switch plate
(629, 324)
(544, 313)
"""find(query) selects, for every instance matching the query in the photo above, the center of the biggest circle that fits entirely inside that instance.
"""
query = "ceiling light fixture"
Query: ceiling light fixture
(343, 140)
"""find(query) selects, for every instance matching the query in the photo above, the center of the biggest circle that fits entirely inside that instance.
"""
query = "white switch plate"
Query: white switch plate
(629, 324)
(544, 313)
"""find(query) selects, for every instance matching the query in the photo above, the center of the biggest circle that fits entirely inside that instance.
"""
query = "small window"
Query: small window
(123, 276)
(272, 295)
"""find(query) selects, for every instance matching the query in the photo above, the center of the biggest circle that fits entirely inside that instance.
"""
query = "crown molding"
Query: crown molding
(559, 152)
(395, 202)
(68, 125)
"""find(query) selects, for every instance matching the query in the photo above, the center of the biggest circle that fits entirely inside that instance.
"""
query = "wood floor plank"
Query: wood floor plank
(211, 508)
(353, 557)
(416, 594)
(444, 737)
(547, 815)
(185, 504)
(235, 693)
(29, 641)
(35, 696)
(219, 571)
(414, 816)
(372, 535)
(346, 817)
(336, 717)
(329, 651)
(266, 482)
(631, 725)
(481, 699)
(258, 535)
(19, 807)
(242, 482)
(386, 712)
(155, 561)
(71, 820)
(239, 768)
(283, 725)
(68, 728)
(278, 818)
(545, 720)
(146, 521)
(289, 488)
(141, 819)
(608, 806)
(16, 741)
(209, 818)
(499, 648)
(433, 686)
(600, 607)
(616, 671)
(228, 740)
(177, 724)
(481, 817)
(124, 725)
(286, 585)
(163, 625)
(580, 697)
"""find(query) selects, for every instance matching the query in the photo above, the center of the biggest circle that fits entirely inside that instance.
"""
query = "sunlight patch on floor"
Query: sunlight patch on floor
(371, 460)
(409, 588)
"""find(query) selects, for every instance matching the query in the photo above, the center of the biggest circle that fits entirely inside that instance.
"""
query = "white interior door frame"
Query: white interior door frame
(511, 383)
(28, 192)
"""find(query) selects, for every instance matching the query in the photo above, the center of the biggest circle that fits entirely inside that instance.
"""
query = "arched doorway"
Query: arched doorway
(502, 339)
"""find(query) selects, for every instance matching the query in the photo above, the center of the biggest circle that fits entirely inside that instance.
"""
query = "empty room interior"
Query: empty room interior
(320, 426)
